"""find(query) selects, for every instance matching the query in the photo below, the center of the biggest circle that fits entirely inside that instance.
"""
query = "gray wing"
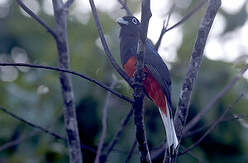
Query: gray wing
(159, 71)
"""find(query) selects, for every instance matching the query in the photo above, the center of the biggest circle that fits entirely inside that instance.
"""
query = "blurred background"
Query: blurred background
(35, 94)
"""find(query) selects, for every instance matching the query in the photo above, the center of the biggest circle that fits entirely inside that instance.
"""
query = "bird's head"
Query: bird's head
(129, 25)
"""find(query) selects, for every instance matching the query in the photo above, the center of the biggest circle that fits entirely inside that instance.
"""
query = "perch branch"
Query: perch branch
(138, 90)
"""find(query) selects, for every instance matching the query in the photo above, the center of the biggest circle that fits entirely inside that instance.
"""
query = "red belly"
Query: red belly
(152, 87)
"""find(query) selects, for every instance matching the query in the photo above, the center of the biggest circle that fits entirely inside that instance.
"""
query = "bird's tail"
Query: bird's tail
(167, 118)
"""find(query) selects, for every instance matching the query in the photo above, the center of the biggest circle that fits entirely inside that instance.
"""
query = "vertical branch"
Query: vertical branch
(104, 123)
(60, 13)
(194, 65)
(146, 14)
(138, 84)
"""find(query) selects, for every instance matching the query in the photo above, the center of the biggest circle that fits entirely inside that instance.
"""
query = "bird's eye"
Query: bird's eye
(134, 21)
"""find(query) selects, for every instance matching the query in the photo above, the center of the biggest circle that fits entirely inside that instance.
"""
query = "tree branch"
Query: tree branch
(138, 93)
(104, 123)
(158, 151)
(124, 6)
(194, 66)
(70, 118)
(197, 8)
(17, 141)
(206, 109)
(60, 12)
(32, 124)
(117, 136)
(73, 73)
(131, 151)
(138, 88)
(105, 45)
(199, 160)
(68, 4)
(37, 18)
(165, 27)
(163, 31)
(235, 117)
(227, 119)
(214, 124)
(155, 153)
(39, 128)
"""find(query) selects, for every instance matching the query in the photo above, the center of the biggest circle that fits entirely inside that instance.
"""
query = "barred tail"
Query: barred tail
(169, 127)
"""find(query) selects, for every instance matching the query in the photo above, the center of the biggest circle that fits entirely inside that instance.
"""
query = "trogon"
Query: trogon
(157, 82)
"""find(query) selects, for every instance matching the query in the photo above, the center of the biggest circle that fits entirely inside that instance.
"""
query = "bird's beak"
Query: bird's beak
(121, 21)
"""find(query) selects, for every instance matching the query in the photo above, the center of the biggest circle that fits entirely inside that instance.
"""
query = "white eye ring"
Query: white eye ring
(134, 21)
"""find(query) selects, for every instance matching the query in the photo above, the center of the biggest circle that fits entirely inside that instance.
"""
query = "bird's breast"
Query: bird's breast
(130, 66)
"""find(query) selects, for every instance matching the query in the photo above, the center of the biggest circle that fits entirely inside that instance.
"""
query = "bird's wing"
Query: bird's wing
(155, 65)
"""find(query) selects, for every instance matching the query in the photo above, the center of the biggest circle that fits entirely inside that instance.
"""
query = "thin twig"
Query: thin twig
(39, 129)
(68, 4)
(131, 151)
(158, 151)
(17, 141)
(124, 6)
(194, 66)
(104, 123)
(194, 156)
(235, 117)
(105, 45)
(206, 109)
(73, 73)
(163, 31)
(37, 18)
(197, 8)
(191, 133)
(118, 134)
(214, 124)
(32, 124)
(224, 120)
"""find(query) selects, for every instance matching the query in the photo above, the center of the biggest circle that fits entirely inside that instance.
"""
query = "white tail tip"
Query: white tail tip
(171, 136)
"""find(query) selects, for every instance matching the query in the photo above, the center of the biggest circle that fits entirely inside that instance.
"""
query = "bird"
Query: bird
(157, 81)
